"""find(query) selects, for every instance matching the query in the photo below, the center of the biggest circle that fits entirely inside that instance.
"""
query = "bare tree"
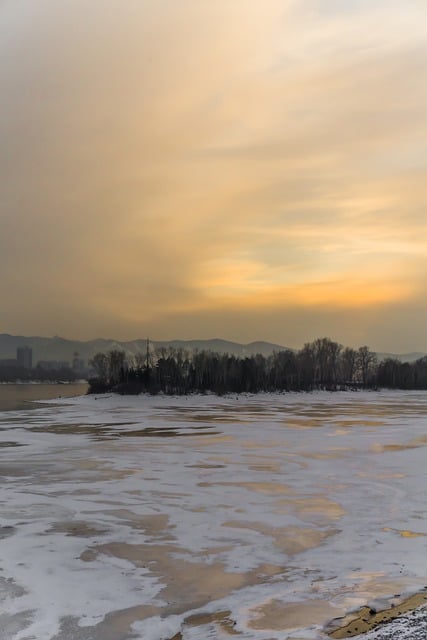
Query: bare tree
(348, 365)
(116, 365)
(366, 363)
(99, 363)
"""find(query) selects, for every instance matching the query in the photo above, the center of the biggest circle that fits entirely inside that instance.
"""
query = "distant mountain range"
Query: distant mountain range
(61, 349)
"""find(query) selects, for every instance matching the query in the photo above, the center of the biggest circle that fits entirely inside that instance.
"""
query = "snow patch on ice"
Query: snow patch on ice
(205, 504)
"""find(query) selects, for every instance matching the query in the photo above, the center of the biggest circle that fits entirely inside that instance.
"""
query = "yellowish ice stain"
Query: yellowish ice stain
(309, 508)
(406, 533)
(290, 540)
(279, 616)
(209, 440)
(267, 488)
(381, 448)
(380, 476)
(331, 455)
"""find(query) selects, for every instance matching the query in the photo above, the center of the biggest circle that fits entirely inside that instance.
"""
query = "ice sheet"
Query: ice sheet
(264, 516)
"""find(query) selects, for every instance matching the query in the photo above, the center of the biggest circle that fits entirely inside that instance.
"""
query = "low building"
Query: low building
(9, 363)
(53, 365)
(24, 356)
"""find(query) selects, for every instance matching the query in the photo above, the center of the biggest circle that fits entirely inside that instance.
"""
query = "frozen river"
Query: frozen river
(260, 517)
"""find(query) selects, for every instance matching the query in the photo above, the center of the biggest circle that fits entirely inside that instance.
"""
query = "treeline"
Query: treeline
(394, 374)
(322, 364)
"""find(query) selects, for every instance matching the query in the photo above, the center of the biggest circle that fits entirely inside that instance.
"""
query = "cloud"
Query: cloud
(166, 161)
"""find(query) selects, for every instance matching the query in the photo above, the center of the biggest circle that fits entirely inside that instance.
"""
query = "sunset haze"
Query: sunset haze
(215, 168)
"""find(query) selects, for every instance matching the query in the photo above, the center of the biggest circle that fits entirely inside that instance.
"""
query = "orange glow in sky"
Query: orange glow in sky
(246, 170)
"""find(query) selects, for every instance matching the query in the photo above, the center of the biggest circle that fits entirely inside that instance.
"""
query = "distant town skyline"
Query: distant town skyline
(189, 170)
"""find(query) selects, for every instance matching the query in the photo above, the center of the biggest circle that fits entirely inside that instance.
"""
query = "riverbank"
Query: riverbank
(386, 624)
(412, 626)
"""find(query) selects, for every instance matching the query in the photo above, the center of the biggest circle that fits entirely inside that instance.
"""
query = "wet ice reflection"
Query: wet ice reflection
(159, 516)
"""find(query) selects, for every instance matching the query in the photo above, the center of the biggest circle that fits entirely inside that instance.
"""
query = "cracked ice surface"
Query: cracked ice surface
(262, 516)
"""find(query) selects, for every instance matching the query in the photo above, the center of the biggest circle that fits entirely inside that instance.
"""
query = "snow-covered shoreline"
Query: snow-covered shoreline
(410, 626)
(284, 511)
(376, 620)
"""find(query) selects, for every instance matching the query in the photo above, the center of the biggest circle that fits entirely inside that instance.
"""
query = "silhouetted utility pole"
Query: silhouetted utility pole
(147, 362)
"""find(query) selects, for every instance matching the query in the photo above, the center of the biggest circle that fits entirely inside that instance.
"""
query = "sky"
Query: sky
(215, 168)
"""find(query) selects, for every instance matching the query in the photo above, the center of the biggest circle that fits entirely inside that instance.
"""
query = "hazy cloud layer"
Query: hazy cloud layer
(195, 169)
